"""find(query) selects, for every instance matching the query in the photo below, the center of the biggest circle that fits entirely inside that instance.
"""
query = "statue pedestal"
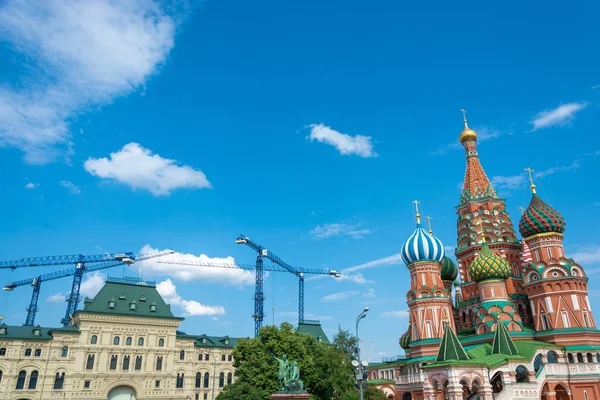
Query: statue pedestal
(290, 396)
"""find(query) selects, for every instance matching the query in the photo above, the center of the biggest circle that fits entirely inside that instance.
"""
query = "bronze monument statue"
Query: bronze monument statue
(288, 375)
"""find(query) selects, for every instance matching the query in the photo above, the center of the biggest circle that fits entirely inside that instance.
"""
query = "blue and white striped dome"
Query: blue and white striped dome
(421, 246)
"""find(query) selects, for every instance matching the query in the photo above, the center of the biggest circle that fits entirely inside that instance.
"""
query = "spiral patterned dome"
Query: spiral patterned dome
(406, 338)
(421, 246)
(488, 265)
(449, 269)
(540, 218)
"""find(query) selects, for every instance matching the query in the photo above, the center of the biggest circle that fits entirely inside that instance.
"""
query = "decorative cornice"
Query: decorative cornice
(545, 234)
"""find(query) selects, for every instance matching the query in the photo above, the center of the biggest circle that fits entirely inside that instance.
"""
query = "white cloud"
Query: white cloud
(168, 291)
(137, 167)
(557, 116)
(74, 189)
(225, 276)
(508, 182)
(340, 295)
(370, 293)
(57, 298)
(483, 134)
(401, 314)
(356, 278)
(346, 144)
(94, 281)
(77, 55)
(293, 315)
(390, 260)
(561, 168)
(587, 255)
(328, 230)
(31, 185)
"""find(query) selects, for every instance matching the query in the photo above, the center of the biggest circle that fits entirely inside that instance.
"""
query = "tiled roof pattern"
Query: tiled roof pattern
(540, 218)
(488, 265)
(449, 269)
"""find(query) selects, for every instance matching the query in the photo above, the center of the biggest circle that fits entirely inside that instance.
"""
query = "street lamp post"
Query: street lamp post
(360, 365)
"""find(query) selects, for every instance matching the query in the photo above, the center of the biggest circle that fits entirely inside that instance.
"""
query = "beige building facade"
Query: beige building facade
(124, 345)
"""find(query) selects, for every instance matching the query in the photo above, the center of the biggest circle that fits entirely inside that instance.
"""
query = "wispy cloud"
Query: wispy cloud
(370, 293)
(596, 87)
(399, 314)
(76, 55)
(329, 230)
(73, 188)
(483, 134)
(57, 298)
(587, 255)
(294, 315)
(390, 260)
(137, 167)
(557, 116)
(354, 277)
(340, 295)
(31, 185)
(346, 144)
(94, 281)
(168, 291)
(508, 182)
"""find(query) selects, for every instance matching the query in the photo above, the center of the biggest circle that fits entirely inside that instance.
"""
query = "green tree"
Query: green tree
(371, 393)
(241, 390)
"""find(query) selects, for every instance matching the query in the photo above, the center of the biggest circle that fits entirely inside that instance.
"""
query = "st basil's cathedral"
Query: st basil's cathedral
(520, 325)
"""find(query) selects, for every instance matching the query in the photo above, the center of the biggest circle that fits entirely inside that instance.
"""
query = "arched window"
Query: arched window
(537, 363)
(229, 357)
(21, 380)
(161, 342)
(64, 352)
(90, 362)
(580, 358)
(179, 383)
(522, 374)
(206, 379)
(0, 376)
(138, 363)
(570, 358)
(598, 357)
(128, 341)
(198, 380)
(116, 340)
(182, 355)
(113, 362)
(141, 341)
(590, 358)
(159, 363)
(94, 339)
(222, 379)
(229, 378)
(59, 381)
(125, 363)
(32, 380)
(552, 357)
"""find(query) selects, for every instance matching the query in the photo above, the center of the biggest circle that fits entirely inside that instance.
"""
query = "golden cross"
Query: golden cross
(522, 209)
(416, 203)
(529, 171)
(462, 110)
(428, 218)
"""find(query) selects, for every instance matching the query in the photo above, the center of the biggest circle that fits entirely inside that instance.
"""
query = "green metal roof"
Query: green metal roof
(313, 328)
(503, 343)
(450, 347)
(129, 299)
(28, 332)
(209, 341)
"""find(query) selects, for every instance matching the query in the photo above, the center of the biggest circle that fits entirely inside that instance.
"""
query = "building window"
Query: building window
(94, 339)
(182, 355)
(549, 252)
(159, 363)
(222, 379)
(37, 353)
(122, 296)
(206, 379)
(179, 383)
(32, 380)
(113, 362)
(570, 358)
(27, 352)
(161, 342)
(3, 351)
(111, 303)
(64, 352)
(206, 356)
(116, 340)
(537, 255)
(586, 320)
(132, 305)
(59, 381)
(126, 363)
(205, 396)
(222, 357)
(86, 384)
(580, 358)
(128, 341)
(229, 378)
(138, 363)
(142, 298)
(590, 358)
(545, 322)
(197, 396)
(552, 357)
(198, 380)
(200, 357)
(157, 383)
(0, 376)
(585, 395)
(229, 357)
(429, 331)
(141, 341)
(152, 307)
(575, 301)
(565, 319)
(21, 380)
(90, 362)
(522, 375)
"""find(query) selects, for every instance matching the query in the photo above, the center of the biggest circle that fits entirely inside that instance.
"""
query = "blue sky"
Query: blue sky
(308, 126)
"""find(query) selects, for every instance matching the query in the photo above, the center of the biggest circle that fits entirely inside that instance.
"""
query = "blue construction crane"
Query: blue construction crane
(258, 291)
(65, 260)
(77, 273)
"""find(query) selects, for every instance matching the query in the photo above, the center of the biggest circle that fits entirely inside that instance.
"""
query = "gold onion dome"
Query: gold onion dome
(488, 265)
(467, 134)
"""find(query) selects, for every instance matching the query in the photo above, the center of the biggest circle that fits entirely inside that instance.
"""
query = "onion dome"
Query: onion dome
(421, 246)
(468, 133)
(540, 218)
(488, 265)
(406, 338)
(449, 269)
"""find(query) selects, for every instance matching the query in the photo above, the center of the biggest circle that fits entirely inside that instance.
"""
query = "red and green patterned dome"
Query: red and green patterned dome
(540, 218)
(488, 265)
(449, 269)
(406, 338)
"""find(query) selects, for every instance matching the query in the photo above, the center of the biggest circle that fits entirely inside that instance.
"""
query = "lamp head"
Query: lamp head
(366, 309)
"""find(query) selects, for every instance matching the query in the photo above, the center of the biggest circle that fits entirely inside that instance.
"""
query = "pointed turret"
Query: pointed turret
(450, 347)
(503, 343)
